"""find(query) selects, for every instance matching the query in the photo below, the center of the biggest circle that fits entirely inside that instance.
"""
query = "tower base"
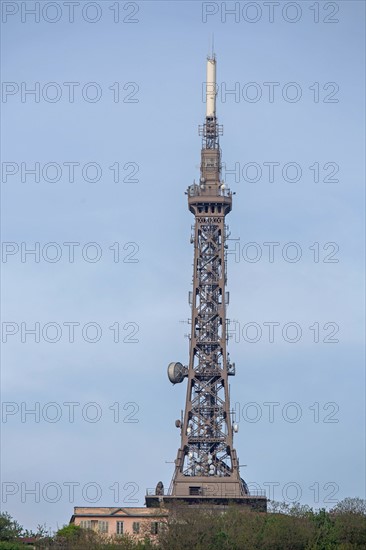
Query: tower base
(255, 503)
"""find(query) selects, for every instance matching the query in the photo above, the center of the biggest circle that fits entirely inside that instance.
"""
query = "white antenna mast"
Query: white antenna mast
(211, 87)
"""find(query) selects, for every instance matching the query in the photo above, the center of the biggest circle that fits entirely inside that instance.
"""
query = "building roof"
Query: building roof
(97, 511)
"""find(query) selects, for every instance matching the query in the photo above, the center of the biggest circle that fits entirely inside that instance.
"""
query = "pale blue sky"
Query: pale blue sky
(164, 53)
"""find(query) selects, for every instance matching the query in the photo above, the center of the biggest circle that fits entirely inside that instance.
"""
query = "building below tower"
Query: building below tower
(120, 520)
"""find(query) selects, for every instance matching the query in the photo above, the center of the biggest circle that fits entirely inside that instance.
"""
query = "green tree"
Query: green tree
(349, 521)
(71, 531)
(350, 506)
(9, 528)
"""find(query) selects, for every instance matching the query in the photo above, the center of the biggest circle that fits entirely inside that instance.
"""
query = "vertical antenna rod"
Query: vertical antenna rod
(211, 88)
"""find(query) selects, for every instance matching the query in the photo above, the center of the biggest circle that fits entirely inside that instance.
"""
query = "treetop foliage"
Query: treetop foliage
(284, 527)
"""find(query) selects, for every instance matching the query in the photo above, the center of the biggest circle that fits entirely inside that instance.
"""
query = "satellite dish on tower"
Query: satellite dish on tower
(176, 372)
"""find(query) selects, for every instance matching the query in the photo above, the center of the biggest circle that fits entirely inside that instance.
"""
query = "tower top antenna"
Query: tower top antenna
(211, 88)
(211, 48)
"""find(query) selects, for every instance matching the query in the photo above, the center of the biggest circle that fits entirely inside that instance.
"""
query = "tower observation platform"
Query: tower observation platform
(207, 467)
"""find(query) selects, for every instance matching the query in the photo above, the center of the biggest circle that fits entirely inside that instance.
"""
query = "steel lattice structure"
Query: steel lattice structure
(206, 467)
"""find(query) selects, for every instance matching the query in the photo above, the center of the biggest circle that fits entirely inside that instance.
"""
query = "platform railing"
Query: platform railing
(253, 493)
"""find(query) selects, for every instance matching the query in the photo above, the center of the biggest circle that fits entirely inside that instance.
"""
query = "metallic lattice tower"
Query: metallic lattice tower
(206, 467)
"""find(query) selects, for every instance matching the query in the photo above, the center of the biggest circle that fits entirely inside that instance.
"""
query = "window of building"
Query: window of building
(193, 491)
(154, 527)
(103, 526)
(86, 524)
(136, 527)
(119, 528)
